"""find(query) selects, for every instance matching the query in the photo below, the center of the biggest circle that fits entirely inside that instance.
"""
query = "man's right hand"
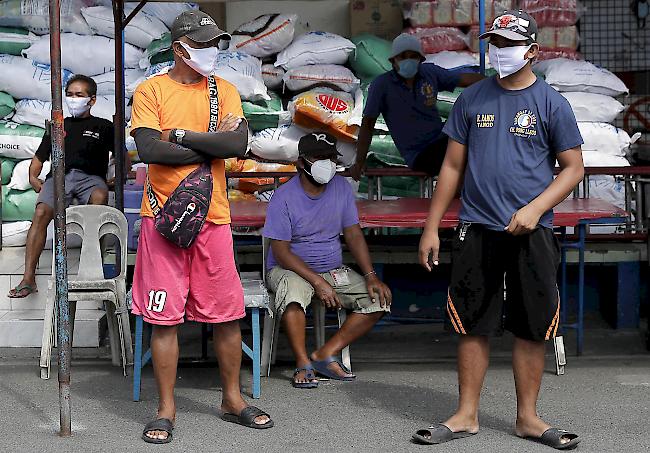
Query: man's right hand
(229, 123)
(327, 294)
(429, 248)
(356, 171)
(36, 184)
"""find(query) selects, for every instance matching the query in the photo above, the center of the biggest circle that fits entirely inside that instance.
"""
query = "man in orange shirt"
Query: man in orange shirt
(170, 124)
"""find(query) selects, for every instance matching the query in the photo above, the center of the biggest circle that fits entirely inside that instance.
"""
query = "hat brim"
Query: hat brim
(508, 34)
(393, 55)
(207, 34)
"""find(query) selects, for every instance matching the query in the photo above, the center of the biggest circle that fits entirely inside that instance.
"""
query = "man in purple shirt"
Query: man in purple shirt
(304, 221)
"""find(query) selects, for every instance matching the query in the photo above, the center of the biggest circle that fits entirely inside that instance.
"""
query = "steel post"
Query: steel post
(481, 20)
(60, 255)
(119, 118)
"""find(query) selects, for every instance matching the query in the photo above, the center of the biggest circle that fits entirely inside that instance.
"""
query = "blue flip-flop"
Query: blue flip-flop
(309, 369)
(321, 368)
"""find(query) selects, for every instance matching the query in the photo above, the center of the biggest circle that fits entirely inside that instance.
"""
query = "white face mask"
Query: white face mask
(77, 106)
(508, 60)
(322, 171)
(202, 61)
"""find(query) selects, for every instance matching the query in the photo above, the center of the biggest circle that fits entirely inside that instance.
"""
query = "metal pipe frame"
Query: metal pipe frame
(60, 254)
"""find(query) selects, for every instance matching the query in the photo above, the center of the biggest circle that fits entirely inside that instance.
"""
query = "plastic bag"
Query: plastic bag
(252, 185)
(322, 108)
(245, 72)
(581, 76)
(19, 141)
(89, 55)
(264, 36)
(594, 107)
(35, 15)
(437, 39)
(316, 47)
(436, 13)
(142, 29)
(370, 58)
(20, 175)
(556, 13)
(305, 77)
(25, 79)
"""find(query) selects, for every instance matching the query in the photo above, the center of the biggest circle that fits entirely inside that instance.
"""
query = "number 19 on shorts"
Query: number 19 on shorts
(157, 301)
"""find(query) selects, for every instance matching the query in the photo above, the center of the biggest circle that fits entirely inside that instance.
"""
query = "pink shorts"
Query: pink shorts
(200, 283)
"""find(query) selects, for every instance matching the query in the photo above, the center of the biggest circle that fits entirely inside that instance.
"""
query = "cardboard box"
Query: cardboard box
(382, 18)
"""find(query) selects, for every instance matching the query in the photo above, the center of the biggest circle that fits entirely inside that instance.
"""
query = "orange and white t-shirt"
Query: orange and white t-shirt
(160, 103)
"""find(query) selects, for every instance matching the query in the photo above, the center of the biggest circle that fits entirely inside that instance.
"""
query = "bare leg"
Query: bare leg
(473, 360)
(294, 324)
(356, 326)
(227, 347)
(98, 196)
(528, 368)
(35, 243)
(164, 354)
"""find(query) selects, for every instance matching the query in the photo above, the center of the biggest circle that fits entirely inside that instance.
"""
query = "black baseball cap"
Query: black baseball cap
(317, 144)
(197, 26)
(515, 25)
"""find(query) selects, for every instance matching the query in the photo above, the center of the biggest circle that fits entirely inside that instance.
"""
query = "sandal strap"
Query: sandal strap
(309, 372)
(249, 414)
(160, 424)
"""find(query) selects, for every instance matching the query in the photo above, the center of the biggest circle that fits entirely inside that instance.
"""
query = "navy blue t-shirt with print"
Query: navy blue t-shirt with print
(512, 137)
(411, 114)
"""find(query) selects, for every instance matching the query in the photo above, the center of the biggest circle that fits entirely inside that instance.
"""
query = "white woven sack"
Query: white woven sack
(604, 138)
(23, 78)
(316, 47)
(581, 76)
(272, 76)
(14, 234)
(594, 107)
(245, 72)
(20, 175)
(264, 36)
(142, 29)
(300, 79)
(35, 15)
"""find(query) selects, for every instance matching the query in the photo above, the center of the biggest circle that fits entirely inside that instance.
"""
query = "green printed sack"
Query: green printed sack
(19, 141)
(370, 58)
(18, 204)
(7, 167)
(14, 40)
(384, 150)
(265, 114)
(7, 104)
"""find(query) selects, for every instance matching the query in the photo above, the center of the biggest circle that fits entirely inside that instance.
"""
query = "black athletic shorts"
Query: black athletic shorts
(430, 160)
(500, 281)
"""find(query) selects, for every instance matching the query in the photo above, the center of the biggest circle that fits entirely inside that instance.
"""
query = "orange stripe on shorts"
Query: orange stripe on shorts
(450, 305)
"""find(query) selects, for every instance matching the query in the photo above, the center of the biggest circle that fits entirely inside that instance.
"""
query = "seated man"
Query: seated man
(88, 143)
(304, 220)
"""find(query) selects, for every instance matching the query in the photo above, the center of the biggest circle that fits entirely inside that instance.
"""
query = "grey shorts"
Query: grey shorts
(290, 287)
(78, 185)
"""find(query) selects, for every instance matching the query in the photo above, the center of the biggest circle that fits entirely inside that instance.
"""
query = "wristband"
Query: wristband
(372, 272)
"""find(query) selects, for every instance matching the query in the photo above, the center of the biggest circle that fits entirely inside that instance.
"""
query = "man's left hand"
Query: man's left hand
(379, 291)
(524, 221)
(164, 135)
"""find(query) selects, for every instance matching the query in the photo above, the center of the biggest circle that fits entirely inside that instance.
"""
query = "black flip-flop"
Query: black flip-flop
(160, 424)
(438, 434)
(552, 437)
(247, 418)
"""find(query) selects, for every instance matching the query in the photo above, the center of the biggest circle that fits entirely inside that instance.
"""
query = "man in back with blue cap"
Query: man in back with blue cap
(406, 96)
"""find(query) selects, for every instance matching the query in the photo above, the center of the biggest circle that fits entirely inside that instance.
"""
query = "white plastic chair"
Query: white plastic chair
(272, 325)
(91, 223)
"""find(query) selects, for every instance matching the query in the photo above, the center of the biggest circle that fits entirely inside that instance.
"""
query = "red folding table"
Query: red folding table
(412, 213)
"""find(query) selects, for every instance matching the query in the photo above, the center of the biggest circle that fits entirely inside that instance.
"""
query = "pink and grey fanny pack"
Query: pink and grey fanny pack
(181, 218)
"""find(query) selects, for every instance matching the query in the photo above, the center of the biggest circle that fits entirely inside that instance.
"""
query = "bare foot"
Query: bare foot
(534, 427)
(236, 407)
(460, 422)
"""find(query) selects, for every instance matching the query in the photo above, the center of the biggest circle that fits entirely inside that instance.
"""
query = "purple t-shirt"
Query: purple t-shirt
(312, 224)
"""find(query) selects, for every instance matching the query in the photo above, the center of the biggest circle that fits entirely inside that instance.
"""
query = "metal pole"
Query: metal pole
(481, 21)
(118, 120)
(60, 260)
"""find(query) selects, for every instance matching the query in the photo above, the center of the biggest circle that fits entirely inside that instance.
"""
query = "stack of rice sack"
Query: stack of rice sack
(592, 93)
(25, 95)
(557, 36)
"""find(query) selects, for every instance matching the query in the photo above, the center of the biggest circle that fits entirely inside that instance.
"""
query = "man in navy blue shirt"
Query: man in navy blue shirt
(505, 135)
(406, 96)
